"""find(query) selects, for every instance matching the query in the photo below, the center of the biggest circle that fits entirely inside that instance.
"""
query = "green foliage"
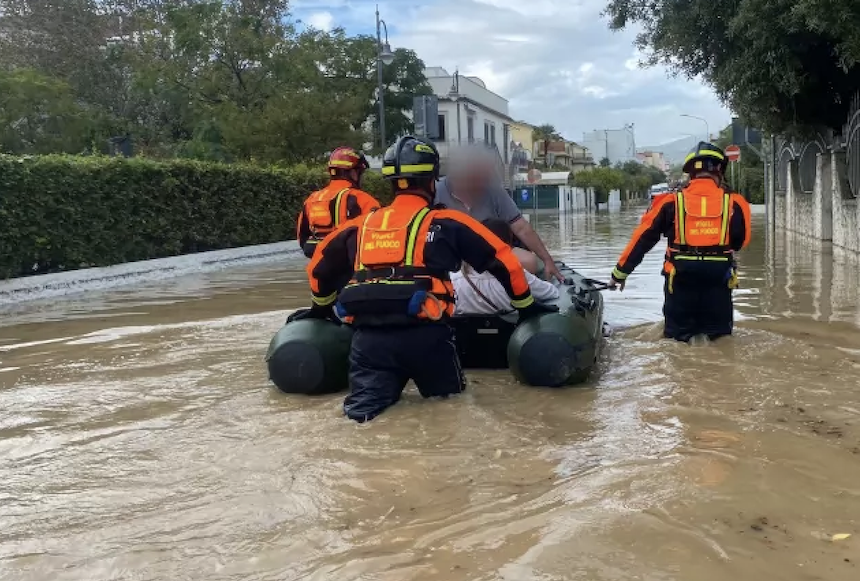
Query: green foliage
(751, 183)
(631, 177)
(39, 114)
(748, 176)
(650, 175)
(208, 80)
(62, 212)
(602, 179)
(545, 133)
(787, 66)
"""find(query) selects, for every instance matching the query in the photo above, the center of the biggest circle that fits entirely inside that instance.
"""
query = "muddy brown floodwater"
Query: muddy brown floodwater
(140, 440)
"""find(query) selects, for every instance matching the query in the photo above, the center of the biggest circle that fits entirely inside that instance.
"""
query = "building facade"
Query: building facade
(469, 113)
(522, 134)
(618, 145)
(563, 154)
(654, 159)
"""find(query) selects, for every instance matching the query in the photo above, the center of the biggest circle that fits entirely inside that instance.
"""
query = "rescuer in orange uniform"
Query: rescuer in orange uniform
(341, 200)
(705, 225)
(400, 295)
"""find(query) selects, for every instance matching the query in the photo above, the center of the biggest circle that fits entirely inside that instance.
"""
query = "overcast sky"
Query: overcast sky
(555, 61)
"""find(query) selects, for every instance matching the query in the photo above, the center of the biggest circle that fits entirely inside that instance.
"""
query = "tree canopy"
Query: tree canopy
(208, 79)
(630, 176)
(786, 66)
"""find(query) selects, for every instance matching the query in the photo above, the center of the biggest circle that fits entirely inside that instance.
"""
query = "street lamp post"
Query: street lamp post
(703, 120)
(384, 56)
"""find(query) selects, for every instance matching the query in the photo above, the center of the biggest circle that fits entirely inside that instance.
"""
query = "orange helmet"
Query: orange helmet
(346, 158)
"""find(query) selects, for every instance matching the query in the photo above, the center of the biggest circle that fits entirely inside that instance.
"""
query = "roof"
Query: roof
(549, 178)
(464, 99)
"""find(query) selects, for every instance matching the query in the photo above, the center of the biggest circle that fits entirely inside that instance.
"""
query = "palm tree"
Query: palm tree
(545, 133)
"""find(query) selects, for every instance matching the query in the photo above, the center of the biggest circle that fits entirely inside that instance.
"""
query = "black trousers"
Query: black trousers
(383, 359)
(694, 309)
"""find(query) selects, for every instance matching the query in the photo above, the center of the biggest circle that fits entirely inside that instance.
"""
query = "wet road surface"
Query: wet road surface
(140, 440)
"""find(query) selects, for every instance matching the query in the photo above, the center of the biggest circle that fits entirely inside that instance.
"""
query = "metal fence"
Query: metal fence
(799, 159)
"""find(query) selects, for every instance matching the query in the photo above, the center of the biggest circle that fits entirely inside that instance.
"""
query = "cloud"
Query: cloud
(321, 20)
(556, 61)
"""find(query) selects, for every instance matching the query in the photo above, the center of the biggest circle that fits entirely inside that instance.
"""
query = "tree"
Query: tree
(39, 114)
(68, 42)
(212, 79)
(787, 66)
(602, 179)
(352, 68)
(546, 133)
(604, 162)
(635, 169)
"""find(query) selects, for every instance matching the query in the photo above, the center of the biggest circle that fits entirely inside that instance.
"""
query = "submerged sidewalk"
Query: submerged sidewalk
(45, 286)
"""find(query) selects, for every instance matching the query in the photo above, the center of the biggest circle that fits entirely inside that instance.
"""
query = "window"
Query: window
(486, 132)
(442, 126)
(506, 139)
(493, 134)
(470, 129)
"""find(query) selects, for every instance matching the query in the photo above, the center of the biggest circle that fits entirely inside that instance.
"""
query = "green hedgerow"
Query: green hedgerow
(63, 212)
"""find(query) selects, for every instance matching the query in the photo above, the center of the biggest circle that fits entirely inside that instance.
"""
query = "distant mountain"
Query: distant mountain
(674, 151)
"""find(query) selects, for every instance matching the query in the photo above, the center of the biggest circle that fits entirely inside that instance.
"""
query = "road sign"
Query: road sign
(533, 176)
(425, 116)
(733, 152)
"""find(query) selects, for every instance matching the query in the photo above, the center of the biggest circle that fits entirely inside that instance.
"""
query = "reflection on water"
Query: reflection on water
(141, 441)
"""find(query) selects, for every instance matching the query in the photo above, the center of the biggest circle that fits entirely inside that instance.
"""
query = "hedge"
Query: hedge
(62, 212)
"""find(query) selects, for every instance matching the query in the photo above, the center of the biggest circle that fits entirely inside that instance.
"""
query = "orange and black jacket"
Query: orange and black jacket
(401, 257)
(328, 208)
(701, 222)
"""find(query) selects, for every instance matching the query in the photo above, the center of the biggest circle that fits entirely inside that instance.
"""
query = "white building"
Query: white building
(469, 113)
(618, 145)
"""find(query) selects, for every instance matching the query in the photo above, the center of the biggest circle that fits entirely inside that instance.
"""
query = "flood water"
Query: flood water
(140, 440)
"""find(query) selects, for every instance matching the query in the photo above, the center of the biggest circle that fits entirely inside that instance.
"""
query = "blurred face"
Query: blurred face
(474, 181)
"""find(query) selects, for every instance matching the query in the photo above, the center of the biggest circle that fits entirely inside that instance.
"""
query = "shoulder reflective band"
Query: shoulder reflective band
(337, 200)
(680, 218)
(724, 228)
(413, 234)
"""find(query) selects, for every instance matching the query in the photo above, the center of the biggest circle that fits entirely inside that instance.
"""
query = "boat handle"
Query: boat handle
(598, 285)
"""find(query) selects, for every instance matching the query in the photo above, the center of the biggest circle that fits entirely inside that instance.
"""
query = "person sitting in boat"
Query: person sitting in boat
(400, 297)
(341, 200)
(481, 294)
(473, 187)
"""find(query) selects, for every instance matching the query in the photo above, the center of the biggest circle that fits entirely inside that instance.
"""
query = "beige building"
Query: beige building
(564, 154)
(654, 159)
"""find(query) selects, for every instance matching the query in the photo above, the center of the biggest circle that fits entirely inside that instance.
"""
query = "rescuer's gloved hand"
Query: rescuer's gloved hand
(614, 283)
(315, 312)
(536, 309)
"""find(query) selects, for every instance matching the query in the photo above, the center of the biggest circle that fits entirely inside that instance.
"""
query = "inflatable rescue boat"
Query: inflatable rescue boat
(311, 356)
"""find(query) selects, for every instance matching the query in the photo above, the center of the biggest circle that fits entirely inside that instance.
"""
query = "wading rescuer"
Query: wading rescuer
(400, 296)
(705, 226)
(341, 200)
